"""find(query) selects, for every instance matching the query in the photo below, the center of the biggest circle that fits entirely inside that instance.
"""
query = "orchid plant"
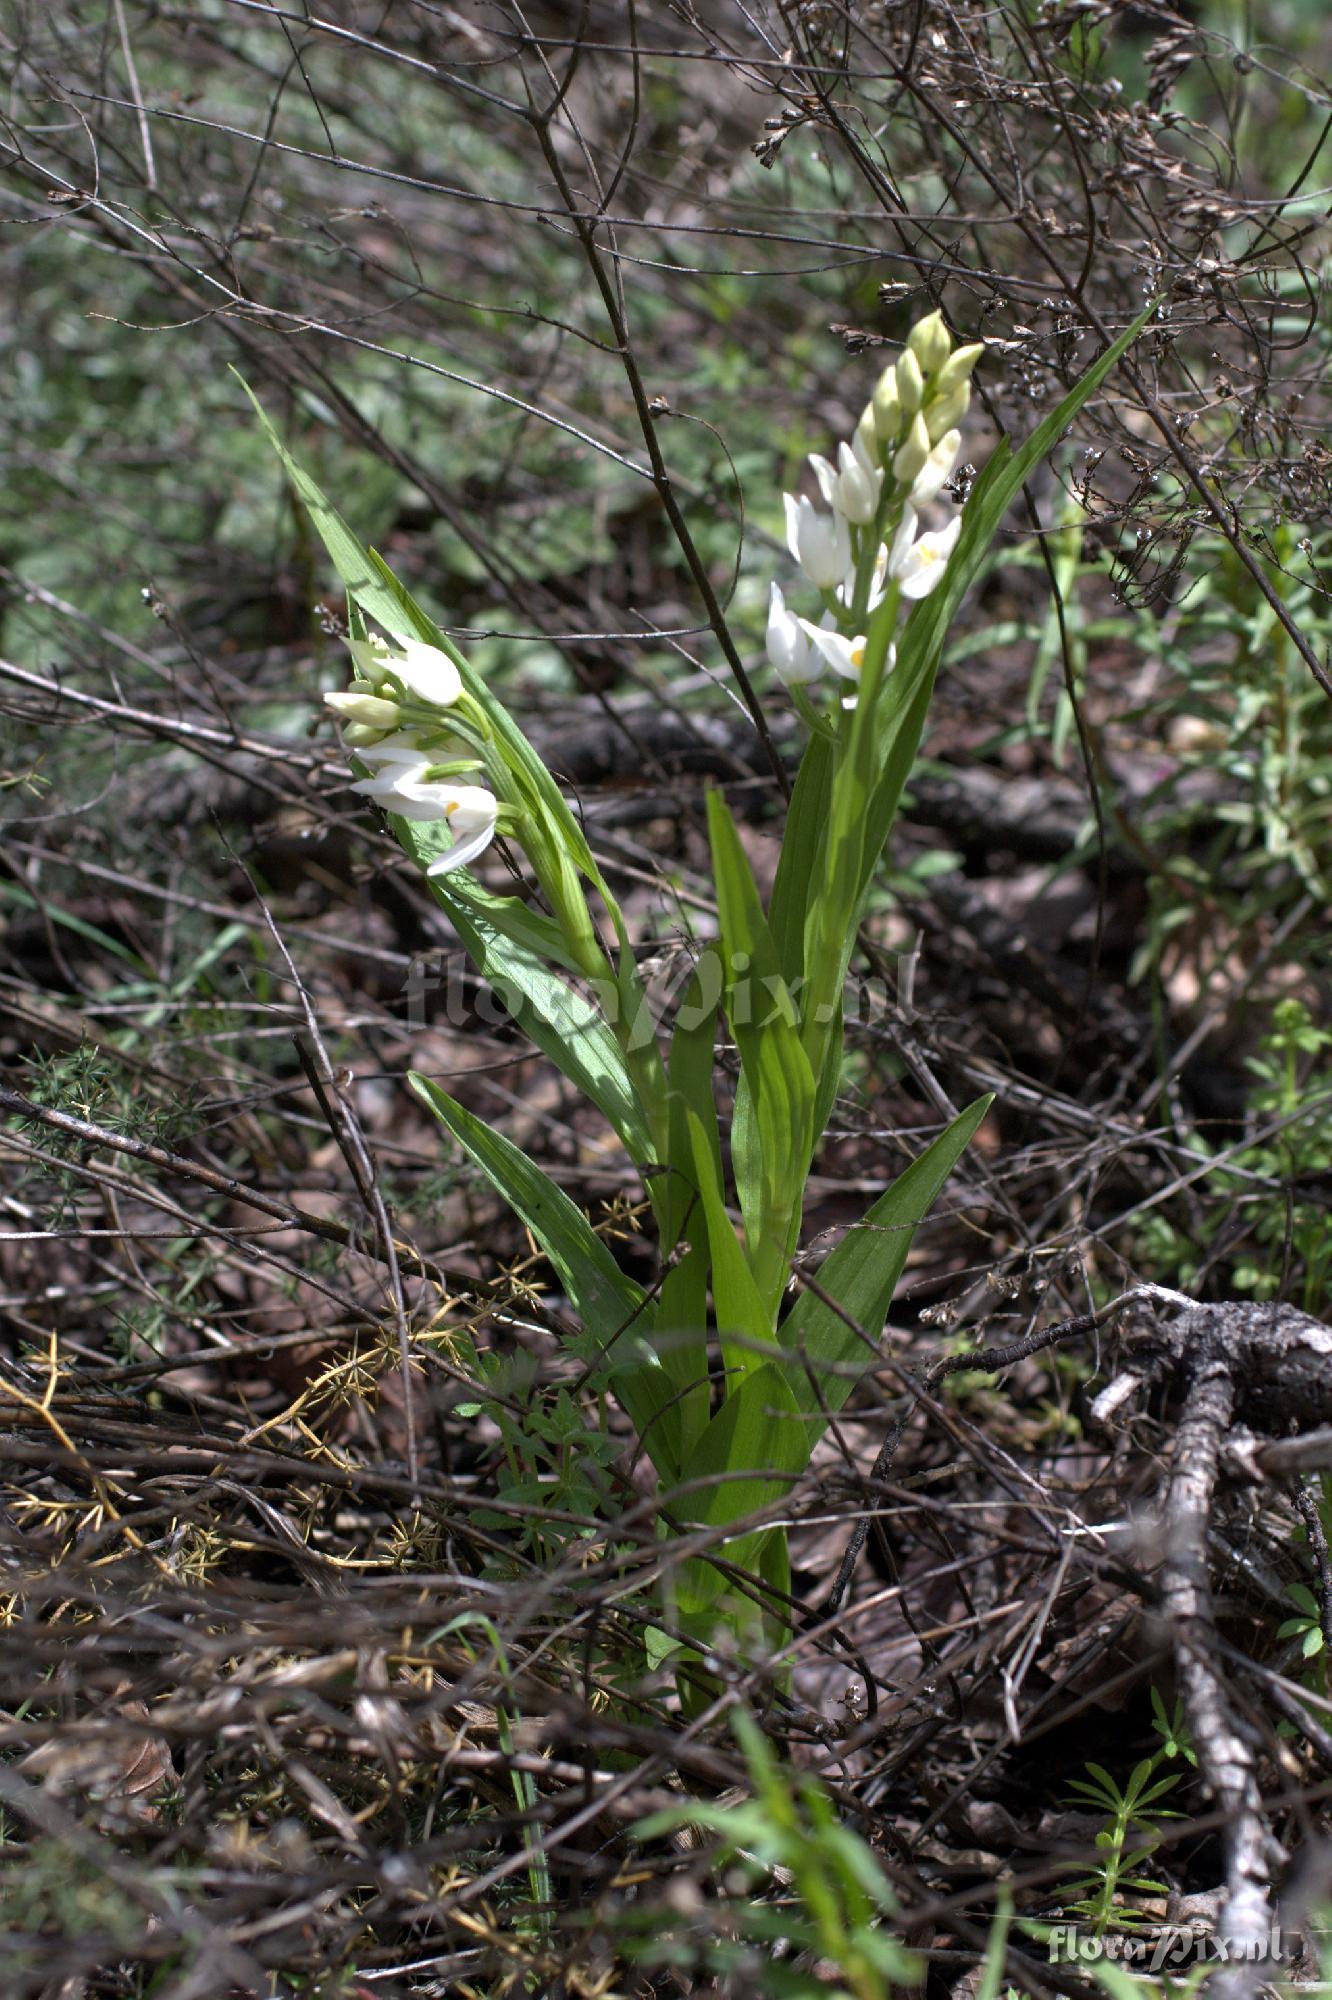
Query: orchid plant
(730, 1367)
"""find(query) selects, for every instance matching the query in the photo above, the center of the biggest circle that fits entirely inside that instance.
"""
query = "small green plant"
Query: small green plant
(1172, 1731)
(551, 1461)
(834, 1904)
(1129, 1837)
(446, 761)
(1287, 1247)
(1291, 1237)
(1307, 1624)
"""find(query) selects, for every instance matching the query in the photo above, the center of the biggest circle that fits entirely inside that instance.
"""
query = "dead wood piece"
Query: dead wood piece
(1279, 1359)
(1268, 1368)
(1226, 1760)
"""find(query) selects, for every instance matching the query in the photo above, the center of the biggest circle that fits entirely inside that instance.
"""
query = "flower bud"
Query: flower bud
(887, 407)
(937, 469)
(957, 368)
(910, 382)
(929, 342)
(914, 453)
(867, 432)
(370, 709)
(358, 735)
(944, 413)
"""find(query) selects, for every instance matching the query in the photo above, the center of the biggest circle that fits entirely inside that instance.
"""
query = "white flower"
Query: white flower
(471, 812)
(916, 565)
(937, 468)
(403, 748)
(370, 657)
(884, 409)
(852, 487)
(910, 383)
(789, 650)
(820, 543)
(425, 670)
(845, 656)
(402, 787)
(846, 590)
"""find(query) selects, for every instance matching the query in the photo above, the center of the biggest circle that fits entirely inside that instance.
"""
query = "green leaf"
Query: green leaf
(744, 1324)
(1118, 1983)
(682, 1313)
(749, 1456)
(612, 1308)
(516, 940)
(770, 1155)
(797, 865)
(862, 1273)
(563, 1024)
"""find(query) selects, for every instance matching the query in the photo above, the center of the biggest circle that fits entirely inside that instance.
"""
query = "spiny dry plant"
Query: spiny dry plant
(332, 1659)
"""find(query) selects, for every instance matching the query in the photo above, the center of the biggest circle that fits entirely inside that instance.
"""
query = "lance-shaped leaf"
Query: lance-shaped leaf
(750, 1455)
(506, 946)
(744, 1324)
(507, 941)
(615, 1312)
(770, 1149)
(830, 1349)
(682, 1314)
